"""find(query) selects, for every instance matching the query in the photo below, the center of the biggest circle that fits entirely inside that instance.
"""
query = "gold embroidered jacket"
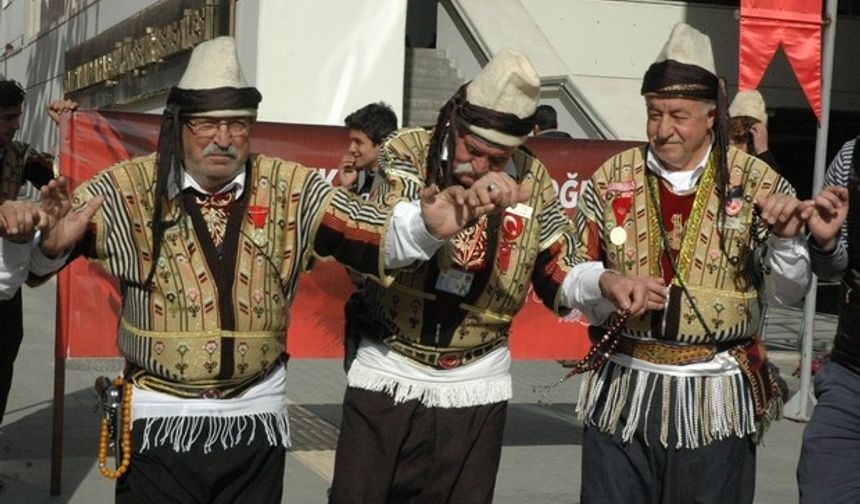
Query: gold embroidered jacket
(215, 322)
(440, 329)
(728, 301)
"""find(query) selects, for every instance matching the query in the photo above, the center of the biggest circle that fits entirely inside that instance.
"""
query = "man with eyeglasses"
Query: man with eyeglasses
(207, 241)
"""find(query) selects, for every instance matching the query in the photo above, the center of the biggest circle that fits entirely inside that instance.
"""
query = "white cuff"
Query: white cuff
(41, 265)
(407, 239)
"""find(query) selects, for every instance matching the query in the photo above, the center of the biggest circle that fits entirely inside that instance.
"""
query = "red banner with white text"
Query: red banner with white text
(88, 301)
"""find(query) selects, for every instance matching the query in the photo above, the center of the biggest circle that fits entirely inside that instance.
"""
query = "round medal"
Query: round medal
(618, 236)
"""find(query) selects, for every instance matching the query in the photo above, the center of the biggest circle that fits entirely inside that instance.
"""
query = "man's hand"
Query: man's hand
(635, 293)
(446, 213)
(759, 137)
(64, 227)
(57, 108)
(825, 214)
(783, 213)
(346, 172)
(19, 220)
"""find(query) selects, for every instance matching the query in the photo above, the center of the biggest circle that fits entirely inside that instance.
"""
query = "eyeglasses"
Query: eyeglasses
(208, 128)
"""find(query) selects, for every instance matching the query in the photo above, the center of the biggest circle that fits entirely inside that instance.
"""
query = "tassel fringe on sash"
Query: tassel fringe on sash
(182, 432)
(443, 395)
(700, 409)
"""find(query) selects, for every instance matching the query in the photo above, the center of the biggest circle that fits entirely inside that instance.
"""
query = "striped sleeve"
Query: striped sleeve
(556, 255)
(344, 226)
(830, 265)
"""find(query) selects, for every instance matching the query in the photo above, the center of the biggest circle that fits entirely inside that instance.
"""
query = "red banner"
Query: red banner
(794, 24)
(88, 300)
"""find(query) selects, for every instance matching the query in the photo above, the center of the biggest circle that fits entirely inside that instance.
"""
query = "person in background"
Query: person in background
(21, 167)
(829, 466)
(368, 127)
(748, 126)
(546, 123)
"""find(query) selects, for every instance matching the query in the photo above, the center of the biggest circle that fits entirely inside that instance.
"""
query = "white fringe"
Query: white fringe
(704, 408)
(182, 432)
(433, 395)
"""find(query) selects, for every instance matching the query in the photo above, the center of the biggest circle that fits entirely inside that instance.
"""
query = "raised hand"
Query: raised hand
(445, 213)
(64, 227)
(346, 172)
(19, 220)
(635, 293)
(824, 215)
(759, 137)
(57, 108)
(783, 213)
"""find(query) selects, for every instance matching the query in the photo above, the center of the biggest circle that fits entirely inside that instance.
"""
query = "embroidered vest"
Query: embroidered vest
(441, 329)
(728, 302)
(208, 323)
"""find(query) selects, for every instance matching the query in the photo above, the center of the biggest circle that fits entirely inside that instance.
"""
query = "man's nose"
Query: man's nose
(664, 128)
(222, 136)
(481, 165)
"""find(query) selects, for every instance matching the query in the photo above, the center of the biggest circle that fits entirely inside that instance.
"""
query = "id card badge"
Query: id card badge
(455, 281)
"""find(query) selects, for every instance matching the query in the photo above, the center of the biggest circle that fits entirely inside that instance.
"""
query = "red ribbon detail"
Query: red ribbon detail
(258, 214)
(621, 207)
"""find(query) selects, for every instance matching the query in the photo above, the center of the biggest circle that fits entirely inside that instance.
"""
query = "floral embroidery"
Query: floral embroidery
(182, 349)
(242, 349)
(214, 209)
(470, 246)
(210, 347)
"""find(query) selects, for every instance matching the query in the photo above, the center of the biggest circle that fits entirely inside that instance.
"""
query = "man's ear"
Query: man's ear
(712, 115)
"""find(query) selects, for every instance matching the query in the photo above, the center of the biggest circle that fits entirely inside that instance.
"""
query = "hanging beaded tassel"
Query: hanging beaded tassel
(596, 356)
(123, 452)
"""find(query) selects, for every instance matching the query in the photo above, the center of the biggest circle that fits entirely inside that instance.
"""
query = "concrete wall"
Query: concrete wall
(609, 44)
(315, 62)
(41, 32)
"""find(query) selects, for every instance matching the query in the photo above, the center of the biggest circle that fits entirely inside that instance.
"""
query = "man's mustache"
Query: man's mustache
(464, 169)
(213, 149)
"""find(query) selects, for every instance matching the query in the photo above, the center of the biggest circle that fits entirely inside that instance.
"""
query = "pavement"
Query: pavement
(540, 460)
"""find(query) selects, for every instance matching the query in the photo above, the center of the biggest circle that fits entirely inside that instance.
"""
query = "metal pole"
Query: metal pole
(800, 406)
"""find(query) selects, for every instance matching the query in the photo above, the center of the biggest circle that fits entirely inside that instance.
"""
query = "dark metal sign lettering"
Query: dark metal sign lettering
(144, 55)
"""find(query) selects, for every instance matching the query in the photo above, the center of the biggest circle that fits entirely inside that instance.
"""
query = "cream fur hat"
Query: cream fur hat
(508, 84)
(690, 46)
(214, 64)
(750, 104)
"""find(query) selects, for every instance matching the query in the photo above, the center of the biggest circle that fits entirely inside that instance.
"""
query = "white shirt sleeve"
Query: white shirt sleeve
(42, 265)
(14, 265)
(407, 239)
(581, 290)
(787, 270)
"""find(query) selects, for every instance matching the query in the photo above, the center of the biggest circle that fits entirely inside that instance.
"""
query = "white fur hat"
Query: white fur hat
(214, 64)
(508, 84)
(690, 46)
(749, 103)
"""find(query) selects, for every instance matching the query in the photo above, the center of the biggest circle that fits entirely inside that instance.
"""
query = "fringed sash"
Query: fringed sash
(182, 432)
(698, 409)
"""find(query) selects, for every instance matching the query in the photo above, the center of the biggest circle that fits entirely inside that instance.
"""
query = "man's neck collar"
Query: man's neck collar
(680, 181)
(236, 185)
